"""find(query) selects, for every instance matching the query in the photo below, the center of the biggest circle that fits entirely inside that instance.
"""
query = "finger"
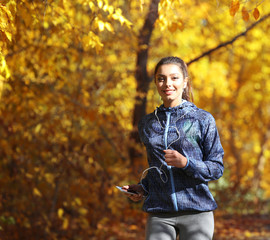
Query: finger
(171, 154)
(168, 162)
(168, 155)
(170, 158)
(136, 198)
(168, 151)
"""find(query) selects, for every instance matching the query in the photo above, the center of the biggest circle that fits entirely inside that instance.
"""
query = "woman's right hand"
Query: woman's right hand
(137, 188)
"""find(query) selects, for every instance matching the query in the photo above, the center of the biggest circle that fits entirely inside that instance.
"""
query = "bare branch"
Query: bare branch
(230, 41)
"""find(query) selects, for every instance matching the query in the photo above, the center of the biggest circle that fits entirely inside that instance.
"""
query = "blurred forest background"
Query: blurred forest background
(75, 78)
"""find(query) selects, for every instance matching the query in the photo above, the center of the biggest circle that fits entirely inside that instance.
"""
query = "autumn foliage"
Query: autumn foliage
(72, 91)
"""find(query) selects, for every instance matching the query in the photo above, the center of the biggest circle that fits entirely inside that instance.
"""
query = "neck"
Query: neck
(172, 104)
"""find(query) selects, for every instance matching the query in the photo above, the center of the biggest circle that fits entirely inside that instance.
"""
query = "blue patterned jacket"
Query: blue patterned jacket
(192, 132)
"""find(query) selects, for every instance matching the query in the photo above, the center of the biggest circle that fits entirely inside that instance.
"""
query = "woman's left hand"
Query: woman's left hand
(137, 188)
(174, 158)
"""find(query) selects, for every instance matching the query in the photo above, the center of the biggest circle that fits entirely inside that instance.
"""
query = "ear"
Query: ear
(185, 82)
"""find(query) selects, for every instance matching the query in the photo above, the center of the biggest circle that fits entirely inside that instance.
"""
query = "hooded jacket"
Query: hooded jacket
(192, 132)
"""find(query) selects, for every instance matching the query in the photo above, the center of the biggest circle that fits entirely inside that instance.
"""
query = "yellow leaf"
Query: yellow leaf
(101, 25)
(118, 16)
(141, 4)
(46, 24)
(37, 128)
(26, 16)
(234, 7)
(133, 227)
(173, 27)
(78, 201)
(111, 9)
(6, 23)
(92, 6)
(247, 234)
(100, 4)
(92, 41)
(176, 25)
(245, 14)
(28, 175)
(109, 27)
(60, 212)
(256, 13)
(65, 223)
(49, 178)
(4, 67)
(8, 35)
(83, 211)
(36, 192)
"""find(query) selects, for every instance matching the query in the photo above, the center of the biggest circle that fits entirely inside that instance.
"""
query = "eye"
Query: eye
(160, 79)
(175, 78)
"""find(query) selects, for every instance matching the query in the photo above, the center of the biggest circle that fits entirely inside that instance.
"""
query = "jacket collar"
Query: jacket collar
(180, 110)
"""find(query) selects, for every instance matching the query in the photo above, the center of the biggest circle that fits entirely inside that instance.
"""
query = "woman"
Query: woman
(184, 153)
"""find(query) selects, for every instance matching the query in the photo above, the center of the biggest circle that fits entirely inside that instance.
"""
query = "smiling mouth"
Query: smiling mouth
(168, 92)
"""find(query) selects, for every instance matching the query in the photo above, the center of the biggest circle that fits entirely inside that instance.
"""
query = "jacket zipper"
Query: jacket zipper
(168, 115)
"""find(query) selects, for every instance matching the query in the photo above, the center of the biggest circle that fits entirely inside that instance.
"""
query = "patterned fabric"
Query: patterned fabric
(193, 133)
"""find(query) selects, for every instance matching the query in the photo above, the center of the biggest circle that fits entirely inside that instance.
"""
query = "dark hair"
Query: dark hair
(187, 93)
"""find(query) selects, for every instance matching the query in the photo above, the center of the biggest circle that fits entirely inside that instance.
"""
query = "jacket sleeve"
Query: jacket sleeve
(211, 166)
(144, 184)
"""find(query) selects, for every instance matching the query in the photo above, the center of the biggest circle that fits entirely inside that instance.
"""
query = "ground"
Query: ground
(242, 227)
(227, 227)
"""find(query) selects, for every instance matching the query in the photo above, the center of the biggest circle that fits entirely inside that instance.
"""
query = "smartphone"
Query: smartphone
(131, 192)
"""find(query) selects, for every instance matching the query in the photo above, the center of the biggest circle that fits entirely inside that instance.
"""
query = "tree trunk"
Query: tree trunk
(142, 78)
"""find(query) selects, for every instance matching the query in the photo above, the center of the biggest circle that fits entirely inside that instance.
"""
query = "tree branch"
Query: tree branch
(230, 41)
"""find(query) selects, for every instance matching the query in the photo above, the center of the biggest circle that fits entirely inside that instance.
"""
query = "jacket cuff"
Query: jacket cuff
(186, 164)
(190, 168)
(144, 188)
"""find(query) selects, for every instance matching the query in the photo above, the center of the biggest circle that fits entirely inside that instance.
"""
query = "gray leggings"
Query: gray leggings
(188, 225)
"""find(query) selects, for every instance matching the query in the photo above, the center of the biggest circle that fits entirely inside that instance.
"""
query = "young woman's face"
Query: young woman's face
(170, 83)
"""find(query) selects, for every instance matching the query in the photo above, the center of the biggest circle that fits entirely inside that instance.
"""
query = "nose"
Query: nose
(168, 82)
